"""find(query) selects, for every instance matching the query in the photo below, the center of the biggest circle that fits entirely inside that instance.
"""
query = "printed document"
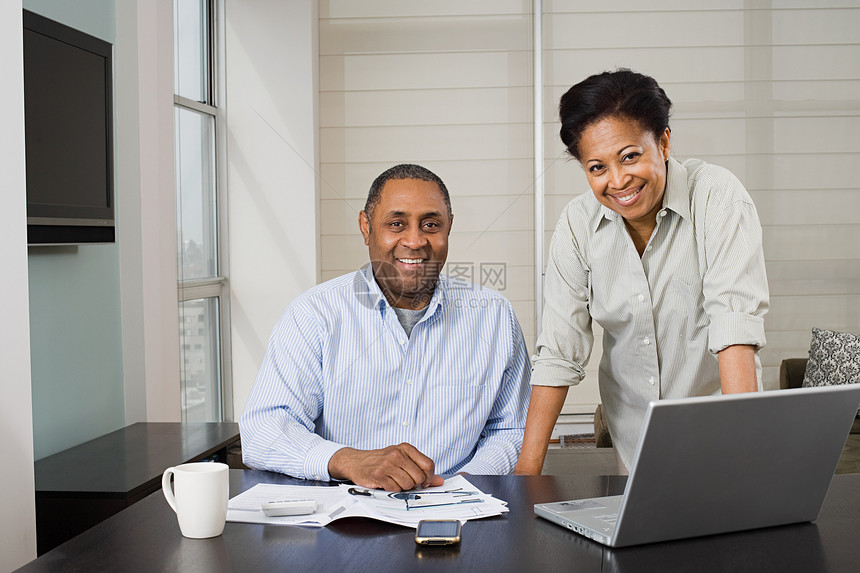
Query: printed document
(455, 499)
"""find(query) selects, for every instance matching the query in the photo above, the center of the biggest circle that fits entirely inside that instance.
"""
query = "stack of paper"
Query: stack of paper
(455, 499)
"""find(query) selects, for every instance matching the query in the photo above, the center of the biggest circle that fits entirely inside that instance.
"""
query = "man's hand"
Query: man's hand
(395, 468)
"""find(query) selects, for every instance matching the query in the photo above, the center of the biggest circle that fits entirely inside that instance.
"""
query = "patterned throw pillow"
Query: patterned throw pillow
(834, 358)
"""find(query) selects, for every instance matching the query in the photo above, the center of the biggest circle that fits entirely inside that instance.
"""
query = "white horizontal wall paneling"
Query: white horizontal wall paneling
(399, 9)
(683, 29)
(489, 177)
(435, 70)
(626, 6)
(423, 143)
(446, 85)
(463, 33)
(769, 90)
(813, 277)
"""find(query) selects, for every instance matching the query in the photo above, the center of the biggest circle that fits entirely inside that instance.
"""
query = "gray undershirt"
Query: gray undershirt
(409, 318)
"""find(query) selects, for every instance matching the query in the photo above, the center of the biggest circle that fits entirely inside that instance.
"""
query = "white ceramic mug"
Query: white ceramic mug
(199, 497)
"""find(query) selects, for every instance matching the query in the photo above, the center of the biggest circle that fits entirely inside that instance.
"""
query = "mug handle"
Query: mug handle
(165, 487)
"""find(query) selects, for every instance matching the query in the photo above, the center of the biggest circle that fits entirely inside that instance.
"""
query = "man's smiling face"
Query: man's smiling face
(407, 236)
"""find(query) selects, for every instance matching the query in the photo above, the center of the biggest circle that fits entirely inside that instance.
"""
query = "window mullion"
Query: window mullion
(190, 290)
(195, 105)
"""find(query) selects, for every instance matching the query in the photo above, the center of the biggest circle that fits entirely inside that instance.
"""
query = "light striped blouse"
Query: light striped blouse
(340, 371)
(699, 287)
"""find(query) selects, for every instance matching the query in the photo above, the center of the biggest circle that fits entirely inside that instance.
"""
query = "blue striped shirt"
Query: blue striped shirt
(340, 371)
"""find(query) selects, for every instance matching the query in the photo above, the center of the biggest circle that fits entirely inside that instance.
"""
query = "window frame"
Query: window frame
(216, 286)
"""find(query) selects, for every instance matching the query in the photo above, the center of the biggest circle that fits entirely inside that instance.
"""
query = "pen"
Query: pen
(405, 495)
(428, 504)
(383, 494)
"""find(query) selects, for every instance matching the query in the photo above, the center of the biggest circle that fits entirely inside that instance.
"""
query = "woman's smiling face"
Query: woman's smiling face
(626, 168)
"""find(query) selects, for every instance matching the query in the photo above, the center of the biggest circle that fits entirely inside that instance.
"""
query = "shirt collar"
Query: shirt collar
(677, 195)
(369, 294)
(676, 198)
(605, 214)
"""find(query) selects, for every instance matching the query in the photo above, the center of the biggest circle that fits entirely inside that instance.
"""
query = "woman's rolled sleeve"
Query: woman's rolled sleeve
(556, 372)
(566, 339)
(735, 283)
(735, 328)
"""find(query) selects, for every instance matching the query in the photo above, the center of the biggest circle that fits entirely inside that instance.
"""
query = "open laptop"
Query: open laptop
(721, 463)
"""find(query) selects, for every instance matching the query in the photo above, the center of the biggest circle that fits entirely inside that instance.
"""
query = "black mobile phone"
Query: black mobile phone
(438, 532)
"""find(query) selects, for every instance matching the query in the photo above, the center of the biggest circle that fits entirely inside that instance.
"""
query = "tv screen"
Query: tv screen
(68, 134)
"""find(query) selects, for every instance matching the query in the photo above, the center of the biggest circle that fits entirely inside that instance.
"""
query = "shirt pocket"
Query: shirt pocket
(690, 308)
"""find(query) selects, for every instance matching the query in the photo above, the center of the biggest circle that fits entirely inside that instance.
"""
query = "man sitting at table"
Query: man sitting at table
(393, 375)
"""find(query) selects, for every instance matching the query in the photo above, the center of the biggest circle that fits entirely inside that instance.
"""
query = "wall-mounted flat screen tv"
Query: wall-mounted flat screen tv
(68, 117)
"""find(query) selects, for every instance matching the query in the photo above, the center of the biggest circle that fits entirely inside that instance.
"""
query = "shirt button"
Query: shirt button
(646, 341)
(649, 247)
(405, 424)
(651, 381)
(317, 478)
(641, 297)
(402, 342)
(409, 381)
(662, 213)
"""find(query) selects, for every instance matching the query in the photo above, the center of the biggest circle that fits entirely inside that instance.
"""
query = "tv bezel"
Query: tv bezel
(96, 224)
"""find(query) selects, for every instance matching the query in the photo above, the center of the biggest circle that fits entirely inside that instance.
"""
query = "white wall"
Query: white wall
(767, 89)
(770, 90)
(272, 158)
(17, 518)
(446, 85)
(146, 212)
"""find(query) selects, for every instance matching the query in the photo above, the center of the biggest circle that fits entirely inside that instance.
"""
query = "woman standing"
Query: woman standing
(665, 256)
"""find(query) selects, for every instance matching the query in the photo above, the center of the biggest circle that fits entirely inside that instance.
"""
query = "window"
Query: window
(201, 248)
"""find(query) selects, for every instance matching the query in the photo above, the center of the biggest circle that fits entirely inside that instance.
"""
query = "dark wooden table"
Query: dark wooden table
(86, 484)
(146, 537)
